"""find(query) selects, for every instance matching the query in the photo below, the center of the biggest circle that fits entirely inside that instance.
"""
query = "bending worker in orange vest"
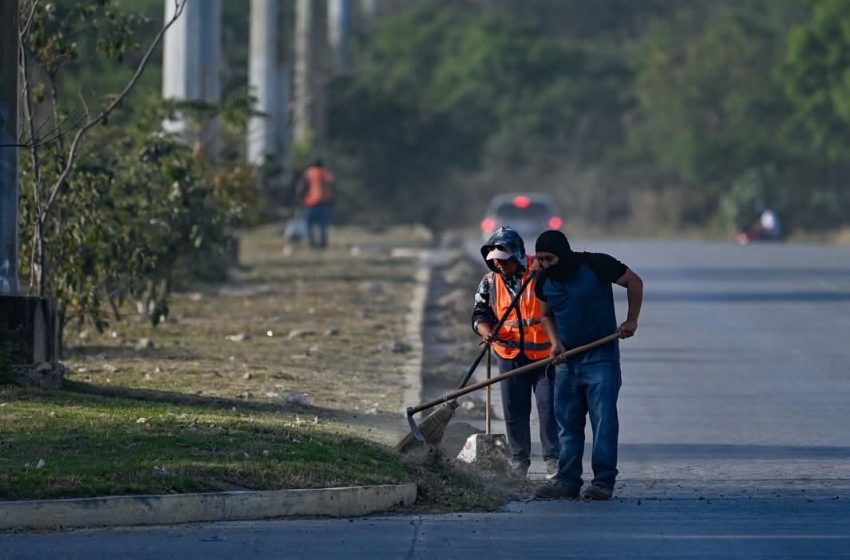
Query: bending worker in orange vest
(521, 340)
(317, 195)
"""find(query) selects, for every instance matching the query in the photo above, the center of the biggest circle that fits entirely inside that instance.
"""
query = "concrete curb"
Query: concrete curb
(215, 506)
(414, 326)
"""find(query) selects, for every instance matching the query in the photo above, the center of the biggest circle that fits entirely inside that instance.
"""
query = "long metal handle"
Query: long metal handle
(487, 420)
(507, 375)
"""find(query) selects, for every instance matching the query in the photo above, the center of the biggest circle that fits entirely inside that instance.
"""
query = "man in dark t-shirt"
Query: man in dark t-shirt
(578, 308)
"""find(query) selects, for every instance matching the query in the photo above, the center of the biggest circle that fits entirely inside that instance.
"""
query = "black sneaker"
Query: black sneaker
(594, 492)
(555, 490)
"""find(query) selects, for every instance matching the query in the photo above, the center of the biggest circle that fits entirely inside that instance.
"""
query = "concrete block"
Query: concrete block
(485, 450)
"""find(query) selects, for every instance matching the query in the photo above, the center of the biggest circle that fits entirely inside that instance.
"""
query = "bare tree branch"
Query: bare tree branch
(56, 133)
(28, 114)
(72, 152)
(25, 29)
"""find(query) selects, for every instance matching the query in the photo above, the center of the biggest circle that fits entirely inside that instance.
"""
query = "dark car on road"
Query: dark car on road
(530, 214)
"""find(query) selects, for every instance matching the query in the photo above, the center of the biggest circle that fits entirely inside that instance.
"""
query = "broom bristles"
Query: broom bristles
(432, 427)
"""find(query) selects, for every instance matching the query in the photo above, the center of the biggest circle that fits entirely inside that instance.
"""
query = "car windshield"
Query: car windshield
(535, 210)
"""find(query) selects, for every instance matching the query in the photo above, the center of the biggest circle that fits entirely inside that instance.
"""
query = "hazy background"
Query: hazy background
(651, 116)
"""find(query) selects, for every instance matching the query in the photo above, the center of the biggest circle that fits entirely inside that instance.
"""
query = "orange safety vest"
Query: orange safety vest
(318, 186)
(525, 333)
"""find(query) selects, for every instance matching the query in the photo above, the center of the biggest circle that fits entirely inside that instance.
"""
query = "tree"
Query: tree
(48, 41)
(817, 71)
(444, 90)
(710, 99)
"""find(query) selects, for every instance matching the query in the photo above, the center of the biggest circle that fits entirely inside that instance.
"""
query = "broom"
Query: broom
(433, 426)
(431, 431)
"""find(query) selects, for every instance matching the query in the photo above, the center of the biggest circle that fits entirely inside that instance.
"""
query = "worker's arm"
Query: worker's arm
(634, 294)
(483, 318)
(548, 322)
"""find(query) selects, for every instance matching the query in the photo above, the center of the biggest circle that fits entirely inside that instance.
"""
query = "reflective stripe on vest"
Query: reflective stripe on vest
(528, 345)
(519, 333)
(525, 322)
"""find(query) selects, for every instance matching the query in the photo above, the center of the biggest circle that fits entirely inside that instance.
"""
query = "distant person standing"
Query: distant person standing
(317, 197)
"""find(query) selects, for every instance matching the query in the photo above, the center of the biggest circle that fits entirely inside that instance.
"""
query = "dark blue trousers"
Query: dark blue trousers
(318, 216)
(516, 406)
(583, 390)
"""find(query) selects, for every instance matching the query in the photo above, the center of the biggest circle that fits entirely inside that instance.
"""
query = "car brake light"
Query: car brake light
(522, 201)
(488, 225)
(555, 222)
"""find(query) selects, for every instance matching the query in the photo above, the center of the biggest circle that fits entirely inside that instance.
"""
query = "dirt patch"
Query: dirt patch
(292, 326)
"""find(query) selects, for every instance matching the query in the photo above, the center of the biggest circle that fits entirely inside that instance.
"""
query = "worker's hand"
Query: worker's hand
(628, 328)
(486, 333)
(558, 348)
(535, 266)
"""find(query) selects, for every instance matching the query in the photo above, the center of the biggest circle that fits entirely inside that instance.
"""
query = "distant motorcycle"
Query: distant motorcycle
(765, 229)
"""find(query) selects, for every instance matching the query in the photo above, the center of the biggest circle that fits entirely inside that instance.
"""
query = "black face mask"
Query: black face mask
(555, 242)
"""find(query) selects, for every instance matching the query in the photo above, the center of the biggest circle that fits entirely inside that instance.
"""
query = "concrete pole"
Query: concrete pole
(282, 110)
(339, 34)
(302, 114)
(263, 81)
(9, 96)
(190, 65)
(211, 69)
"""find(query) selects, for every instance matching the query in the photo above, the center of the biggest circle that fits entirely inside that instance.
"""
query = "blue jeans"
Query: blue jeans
(319, 215)
(582, 389)
(516, 406)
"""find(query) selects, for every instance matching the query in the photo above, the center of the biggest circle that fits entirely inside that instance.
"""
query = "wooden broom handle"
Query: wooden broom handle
(513, 373)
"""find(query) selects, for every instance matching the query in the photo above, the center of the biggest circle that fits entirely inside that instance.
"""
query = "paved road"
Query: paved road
(734, 440)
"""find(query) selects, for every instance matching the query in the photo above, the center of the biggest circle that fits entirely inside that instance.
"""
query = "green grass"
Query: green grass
(199, 412)
(93, 445)
(61, 444)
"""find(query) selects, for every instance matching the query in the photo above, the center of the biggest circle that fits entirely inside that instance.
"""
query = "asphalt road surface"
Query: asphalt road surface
(734, 436)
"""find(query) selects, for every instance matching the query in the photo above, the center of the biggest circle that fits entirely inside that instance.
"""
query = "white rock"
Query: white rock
(301, 399)
(144, 344)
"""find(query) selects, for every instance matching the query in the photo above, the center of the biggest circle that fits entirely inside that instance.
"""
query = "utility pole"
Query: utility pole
(190, 66)
(9, 154)
(304, 102)
(264, 82)
(339, 34)
(27, 323)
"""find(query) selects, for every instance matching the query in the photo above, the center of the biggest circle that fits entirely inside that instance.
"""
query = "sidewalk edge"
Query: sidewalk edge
(112, 511)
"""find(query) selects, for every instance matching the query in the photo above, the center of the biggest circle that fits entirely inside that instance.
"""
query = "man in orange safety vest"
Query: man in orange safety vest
(317, 197)
(519, 341)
